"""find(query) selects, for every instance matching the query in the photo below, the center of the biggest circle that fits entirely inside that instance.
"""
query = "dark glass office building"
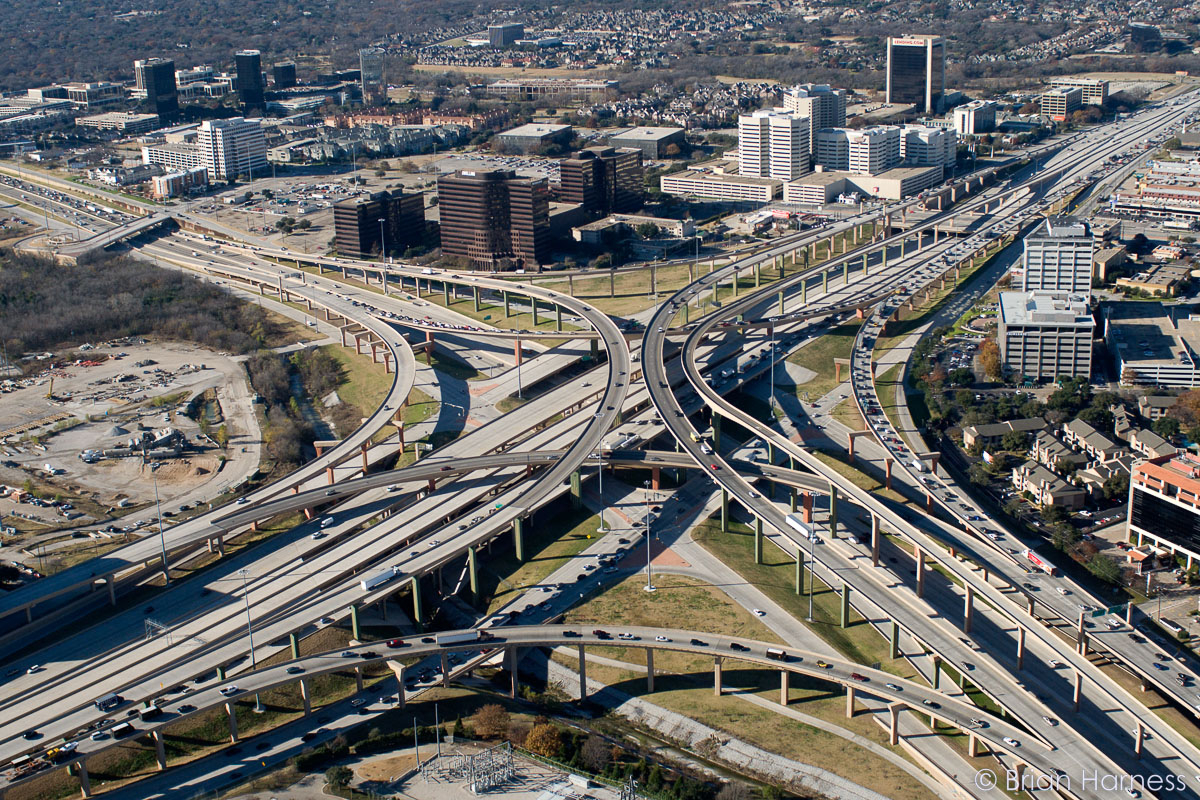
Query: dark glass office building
(605, 180)
(916, 72)
(284, 73)
(1164, 504)
(495, 219)
(156, 77)
(384, 221)
(250, 79)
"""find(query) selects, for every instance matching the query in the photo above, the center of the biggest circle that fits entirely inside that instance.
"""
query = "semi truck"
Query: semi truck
(379, 579)
(448, 639)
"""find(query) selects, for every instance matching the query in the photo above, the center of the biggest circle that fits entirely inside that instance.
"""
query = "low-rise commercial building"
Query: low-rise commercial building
(1157, 280)
(532, 89)
(1044, 335)
(710, 185)
(653, 142)
(1058, 103)
(815, 188)
(1094, 92)
(534, 136)
(598, 231)
(1152, 344)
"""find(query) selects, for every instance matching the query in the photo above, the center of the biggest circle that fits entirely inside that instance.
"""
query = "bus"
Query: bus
(1041, 563)
(775, 654)
(1173, 627)
(109, 701)
(123, 729)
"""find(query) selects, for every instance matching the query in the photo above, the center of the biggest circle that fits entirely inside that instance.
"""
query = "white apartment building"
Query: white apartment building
(773, 143)
(928, 147)
(232, 147)
(824, 106)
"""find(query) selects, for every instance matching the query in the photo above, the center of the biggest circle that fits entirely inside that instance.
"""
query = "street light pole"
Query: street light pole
(258, 706)
(771, 355)
(812, 573)
(382, 242)
(649, 581)
(162, 539)
(600, 478)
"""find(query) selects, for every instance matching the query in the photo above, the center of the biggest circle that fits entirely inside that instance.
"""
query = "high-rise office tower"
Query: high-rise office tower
(250, 79)
(370, 64)
(495, 219)
(284, 73)
(916, 72)
(381, 222)
(773, 143)
(603, 179)
(156, 77)
(505, 34)
(1058, 257)
(824, 106)
(232, 147)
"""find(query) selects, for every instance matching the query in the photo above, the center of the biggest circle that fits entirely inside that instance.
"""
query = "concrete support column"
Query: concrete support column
(512, 657)
(807, 507)
(358, 678)
(507, 308)
(1081, 637)
(649, 669)
(894, 644)
(354, 623)
(894, 732)
(920, 571)
(294, 641)
(833, 512)
(785, 686)
(517, 352)
(414, 584)
(111, 580)
(445, 659)
(717, 675)
(968, 608)
(874, 540)
(519, 538)
(160, 751)
(473, 569)
(1077, 694)
(799, 570)
(972, 746)
(1020, 648)
(85, 785)
(724, 510)
(851, 695)
(887, 462)
(1138, 736)
(583, 693)
(845, 605)
(232, 712)
(306, 696)
(758, 541)
(576, 490)
(937, 673)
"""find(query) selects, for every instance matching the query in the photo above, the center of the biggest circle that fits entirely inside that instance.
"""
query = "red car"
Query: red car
(714, 466)
(858, 677)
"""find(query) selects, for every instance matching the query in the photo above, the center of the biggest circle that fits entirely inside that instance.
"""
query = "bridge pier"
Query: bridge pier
(473, 569)
(851, 696)
(1139, 735)
(576, 490)
(865, 273)
(583, 692)
(358, 678)
(656, 478)
(845, 622)
(414, 584)
(968, 608)
(833, 511)
(785, 680)
(306, 696)
(724, 510)
(353, 609)
(1081, 637)
(85, 785)
(799, 570)
(894, 644)
(110, 580)
(717, 676)
(894, 728)
(758, 541)
(806, 507)
(517, 352)
(874, 541)
(519, 538)
(445, 664)
(920, 554)
(1021, 648)
(649, 669)
(294, 643)
(233, 731)
(937, 672)
(1077, 694)
(160, 751)
(972, 746)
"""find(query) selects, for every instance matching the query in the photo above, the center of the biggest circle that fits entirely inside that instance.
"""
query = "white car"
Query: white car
(662, 638)
(229, 690)
(758, 612)
(1011, 741)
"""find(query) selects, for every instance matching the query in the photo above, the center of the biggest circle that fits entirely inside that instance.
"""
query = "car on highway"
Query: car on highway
(661, 638)
(295, 669)
(229, 691)
(758, 612)
(1011, 741)
(1049, 720)
(823, 665)
(99, 736)
(894, 687)
(186, 708)
(348, 654)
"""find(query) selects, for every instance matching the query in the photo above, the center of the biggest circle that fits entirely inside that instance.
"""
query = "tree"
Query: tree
(1063, 535)
(646, 230)
(1054, 514)
(1099, 418)
(1166, 427)
(1015, 441)
(734, 791)
(304, 224)
(595, 753)
(1105, 568)
(1116, 487)
(222, 436)
(339, 776)
(979, 474)
(490, 722)
(544, 739)
(989, 359)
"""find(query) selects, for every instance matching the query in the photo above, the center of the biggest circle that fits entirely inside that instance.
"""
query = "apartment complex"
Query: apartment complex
(916, 72)
(176, 184)
(1044, 335)
(1058, 257)
(381, 222)
(495, 219)
(773, 143)
(824, 106)
(250, 79)
(155, 80)
(1164, 504)
(1058, 103)
(604, 180)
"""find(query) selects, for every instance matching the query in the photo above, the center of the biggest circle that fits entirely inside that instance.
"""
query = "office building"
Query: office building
(383, 221)
(653, 142)
(120, 121)
(928, 147)
(94, 95)
(495, 219)
(155, 78)
(1164, 504)
(371, 77)
(1044, 335)
(867, 151)
(535, 137)
(604, 180)
(1095, 91)
(773, 143)
(250, 79)
(1058, 257)
(916, 72)
(232, 147)
(1058, 103)
(976, 117)
(505, 34)
(176, 184)
(202, 73)
(824, 106)
(284, 74)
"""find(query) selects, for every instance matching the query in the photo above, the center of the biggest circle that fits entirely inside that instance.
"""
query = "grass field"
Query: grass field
(547, 547)
(365, 385)
(818, 356)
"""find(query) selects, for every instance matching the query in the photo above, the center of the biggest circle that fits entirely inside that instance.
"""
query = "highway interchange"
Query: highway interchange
(489, 480)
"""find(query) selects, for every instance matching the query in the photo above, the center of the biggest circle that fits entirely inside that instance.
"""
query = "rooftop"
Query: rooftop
(645, 134)
(1044, 308)
(1152, 334)
(1061, 228)
(537, 129)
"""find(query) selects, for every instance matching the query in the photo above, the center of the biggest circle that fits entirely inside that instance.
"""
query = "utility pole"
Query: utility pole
(258, 706)
(649, 582)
